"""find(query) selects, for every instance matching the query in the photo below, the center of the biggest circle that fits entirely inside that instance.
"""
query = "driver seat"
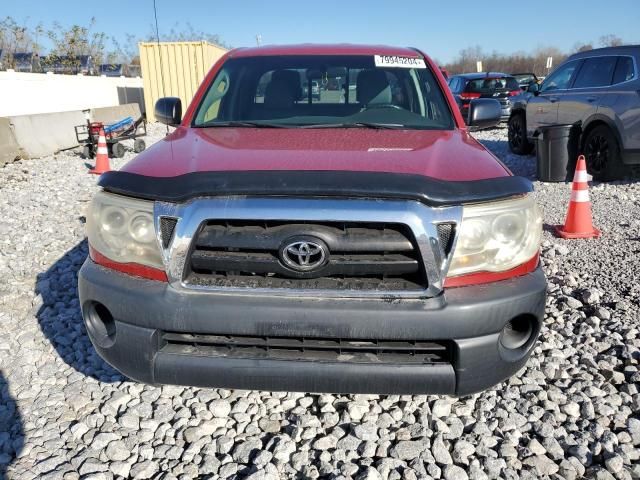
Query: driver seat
(283, 90)
(373, 88)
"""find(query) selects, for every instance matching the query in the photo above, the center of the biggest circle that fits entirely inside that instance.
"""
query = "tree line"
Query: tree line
(521, 62)
(75, 41)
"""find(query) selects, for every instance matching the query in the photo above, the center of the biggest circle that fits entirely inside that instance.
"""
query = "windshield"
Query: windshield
(316, 91)
(525, 78)
(491, 84)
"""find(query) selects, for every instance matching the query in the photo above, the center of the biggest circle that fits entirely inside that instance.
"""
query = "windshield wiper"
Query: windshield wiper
(242, 123)
(251, 124)
(379, 126)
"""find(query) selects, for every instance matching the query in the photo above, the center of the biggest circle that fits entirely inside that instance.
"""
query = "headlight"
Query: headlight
(122, 230)
(497, 236)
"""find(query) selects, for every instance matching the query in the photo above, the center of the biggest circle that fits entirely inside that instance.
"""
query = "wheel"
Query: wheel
(117, 149)
(602, 153)
(139, 145)
(87, 152)
(517, 134)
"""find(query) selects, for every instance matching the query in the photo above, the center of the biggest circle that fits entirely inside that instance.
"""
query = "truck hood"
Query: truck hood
(445, 155)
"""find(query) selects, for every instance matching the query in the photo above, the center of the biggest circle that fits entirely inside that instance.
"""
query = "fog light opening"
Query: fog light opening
(100, 324)
(517, 332)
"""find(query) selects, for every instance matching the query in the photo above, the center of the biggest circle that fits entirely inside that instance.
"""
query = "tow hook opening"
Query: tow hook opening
(100, 324)
(517, 336)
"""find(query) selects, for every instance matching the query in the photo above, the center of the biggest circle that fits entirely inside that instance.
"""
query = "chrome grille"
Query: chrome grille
(416, 222)
(360, 256)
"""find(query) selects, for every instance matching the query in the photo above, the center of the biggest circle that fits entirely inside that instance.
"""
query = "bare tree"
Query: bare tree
(582, 47)
(610, 41)
(540, 56)
(518, 62)
(72, 43)
(185, 33)
(38, 32)
(468, 58)
(17, 38)
(77, 40)
(124, 52)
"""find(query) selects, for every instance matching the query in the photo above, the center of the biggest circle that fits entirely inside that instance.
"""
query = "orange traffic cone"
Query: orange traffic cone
(102, 156)
(578, 223)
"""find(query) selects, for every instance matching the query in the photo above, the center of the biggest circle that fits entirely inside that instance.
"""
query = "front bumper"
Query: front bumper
(469, 318)
(505, 112)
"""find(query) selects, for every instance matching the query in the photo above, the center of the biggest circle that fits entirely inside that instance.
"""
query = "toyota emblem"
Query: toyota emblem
(304, 255)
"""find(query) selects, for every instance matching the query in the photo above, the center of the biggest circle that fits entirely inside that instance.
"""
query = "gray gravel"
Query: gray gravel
(572, 412)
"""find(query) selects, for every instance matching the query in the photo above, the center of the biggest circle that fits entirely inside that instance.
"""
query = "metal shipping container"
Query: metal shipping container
(178, 72)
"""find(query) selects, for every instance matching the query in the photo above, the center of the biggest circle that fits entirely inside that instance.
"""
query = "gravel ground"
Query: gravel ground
(572, 412)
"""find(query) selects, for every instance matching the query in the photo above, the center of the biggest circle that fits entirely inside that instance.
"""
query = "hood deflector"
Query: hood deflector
(427, 190)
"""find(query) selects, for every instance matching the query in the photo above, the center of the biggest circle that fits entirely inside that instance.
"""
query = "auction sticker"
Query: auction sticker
(398, 62)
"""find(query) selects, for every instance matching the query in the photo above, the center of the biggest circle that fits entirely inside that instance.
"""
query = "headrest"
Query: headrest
(373, 87)
(283, 89)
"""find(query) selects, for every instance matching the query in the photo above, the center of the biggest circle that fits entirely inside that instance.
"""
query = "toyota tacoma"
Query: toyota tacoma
(359, 242)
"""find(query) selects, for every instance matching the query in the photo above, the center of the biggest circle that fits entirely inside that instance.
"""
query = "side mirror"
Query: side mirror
(484, 113)
(533, 88)
(169, 111)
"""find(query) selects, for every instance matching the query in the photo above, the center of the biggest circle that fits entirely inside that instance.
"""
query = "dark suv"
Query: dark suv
(597, 91)
(470, 86)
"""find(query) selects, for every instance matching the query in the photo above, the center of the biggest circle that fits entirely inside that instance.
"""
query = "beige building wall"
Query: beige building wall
(178, 72)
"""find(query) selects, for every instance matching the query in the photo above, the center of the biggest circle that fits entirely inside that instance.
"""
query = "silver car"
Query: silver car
(598, 91)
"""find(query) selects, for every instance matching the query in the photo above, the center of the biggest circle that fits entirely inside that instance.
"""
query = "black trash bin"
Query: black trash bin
(556, 153)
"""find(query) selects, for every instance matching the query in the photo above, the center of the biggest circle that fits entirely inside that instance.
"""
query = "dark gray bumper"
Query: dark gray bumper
(470, 317)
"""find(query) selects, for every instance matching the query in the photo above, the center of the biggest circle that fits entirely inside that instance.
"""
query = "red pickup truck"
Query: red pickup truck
(345, 239)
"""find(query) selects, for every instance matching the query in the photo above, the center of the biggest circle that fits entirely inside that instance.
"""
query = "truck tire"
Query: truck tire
(87, 152)
(139, 145)
(602, 154)
(517, 134)
(117, 150)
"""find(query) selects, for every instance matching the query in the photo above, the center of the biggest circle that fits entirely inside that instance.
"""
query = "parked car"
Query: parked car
(113, 70)
(119, 70)
(596, 91)
(26, 62)
(70, 65)
(470, 86)
(315, 90)
(525, 79)
(361, 244)
(134, 70)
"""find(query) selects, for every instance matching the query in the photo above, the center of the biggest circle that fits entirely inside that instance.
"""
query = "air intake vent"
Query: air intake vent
(421, 352)
(446, 234)
(167, 226)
